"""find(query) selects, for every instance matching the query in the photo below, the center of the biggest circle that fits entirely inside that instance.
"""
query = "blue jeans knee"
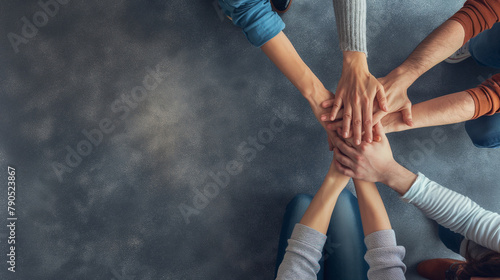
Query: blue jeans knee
(484, 131)
(450, 239)
(485, 47)
(299, 202)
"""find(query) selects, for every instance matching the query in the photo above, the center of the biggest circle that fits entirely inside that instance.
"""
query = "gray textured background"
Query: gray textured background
(116, 215)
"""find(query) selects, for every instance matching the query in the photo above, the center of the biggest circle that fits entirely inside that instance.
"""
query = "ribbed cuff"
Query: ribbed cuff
(350, 16)
(475, 93)
(486, 97)
(477, 16)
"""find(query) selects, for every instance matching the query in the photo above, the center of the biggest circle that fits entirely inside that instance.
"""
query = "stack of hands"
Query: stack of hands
(358, 115)
(371, 162)
(361, 100)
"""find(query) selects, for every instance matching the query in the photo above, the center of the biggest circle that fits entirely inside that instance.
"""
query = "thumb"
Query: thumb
(336, 104)
(379, 132)
(407, 117)
(327, 103)
(381, 98)
(379, 115)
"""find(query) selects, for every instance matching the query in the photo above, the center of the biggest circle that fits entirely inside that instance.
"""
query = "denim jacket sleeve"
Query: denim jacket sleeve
(255, 17)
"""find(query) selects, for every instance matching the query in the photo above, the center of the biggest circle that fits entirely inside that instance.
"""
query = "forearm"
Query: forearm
(448, 208)
(443, 110)
(282, 53)
(448, 109)
(456, 212)
(439, 45)
(319, 212)
(371, 207)
(308, 237)
(383, 255)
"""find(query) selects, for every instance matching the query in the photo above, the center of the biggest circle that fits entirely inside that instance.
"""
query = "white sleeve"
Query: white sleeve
(456, 212)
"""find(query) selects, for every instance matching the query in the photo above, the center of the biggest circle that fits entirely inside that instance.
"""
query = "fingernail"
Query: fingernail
(369, 140)
(385, 108)
(323, 118)
(358, 142)
(345, 135)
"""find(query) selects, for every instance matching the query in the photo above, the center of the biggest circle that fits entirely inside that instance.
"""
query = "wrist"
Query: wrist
(336, 178)
(399, 178)
(312, 88)
(388, 125)
(393, 172)
(393, 123)
(354, 59)
(331, 188)
(404, 75)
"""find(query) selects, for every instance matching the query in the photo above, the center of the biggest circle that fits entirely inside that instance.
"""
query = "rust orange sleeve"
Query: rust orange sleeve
(477, 16)
(486, 97)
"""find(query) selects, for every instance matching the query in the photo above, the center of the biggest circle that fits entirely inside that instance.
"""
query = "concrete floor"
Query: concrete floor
(114, 212)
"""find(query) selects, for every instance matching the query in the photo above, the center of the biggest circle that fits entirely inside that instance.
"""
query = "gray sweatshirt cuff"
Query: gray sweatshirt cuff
(350, 16)
(380, 239)
(309, 236)
(383, 256)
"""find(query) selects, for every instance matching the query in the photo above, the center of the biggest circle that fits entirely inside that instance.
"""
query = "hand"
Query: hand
(356, 92)
(370, 162)
(392, 122)
(338, 122)
(316, 97)
(396, 85)
(400, 116)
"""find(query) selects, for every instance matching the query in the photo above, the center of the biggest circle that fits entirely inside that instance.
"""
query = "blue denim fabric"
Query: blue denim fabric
(450, 239)
(343, 254)
(256, 17)
(484, 131)
(485, 47)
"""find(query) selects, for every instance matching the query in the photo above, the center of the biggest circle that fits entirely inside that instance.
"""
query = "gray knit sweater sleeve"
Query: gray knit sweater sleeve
(304, 249)
(384, 256)
(350, 16)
